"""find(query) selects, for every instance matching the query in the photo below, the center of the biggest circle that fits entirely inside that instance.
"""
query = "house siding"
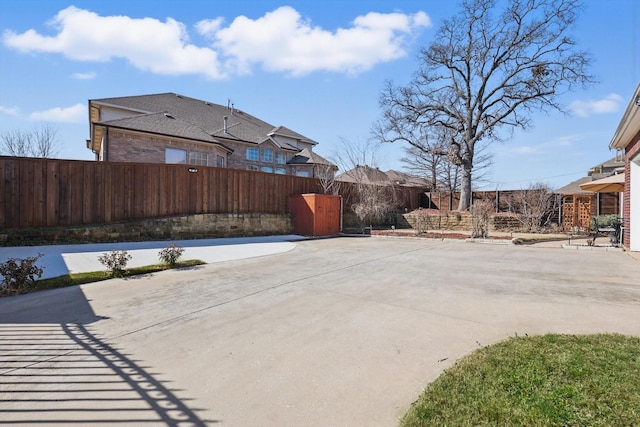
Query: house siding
(134, 147)
(632, 150)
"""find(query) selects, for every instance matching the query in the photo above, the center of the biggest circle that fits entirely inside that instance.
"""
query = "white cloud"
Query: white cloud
(566, 140)
(84, 76)
(549, 146)
(12, 111)
(609, 104)
(279, 41)
(148, 44)
(74, 114)
(282, 41)
(526, 150)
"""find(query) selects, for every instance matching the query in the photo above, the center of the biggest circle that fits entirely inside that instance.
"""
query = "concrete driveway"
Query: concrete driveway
(336, 332)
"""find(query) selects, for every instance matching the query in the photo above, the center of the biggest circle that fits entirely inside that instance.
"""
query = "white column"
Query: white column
(634, 199)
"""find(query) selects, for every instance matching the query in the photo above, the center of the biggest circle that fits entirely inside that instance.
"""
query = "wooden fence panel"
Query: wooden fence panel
(52, 192)
(4, 205)
(26, 202)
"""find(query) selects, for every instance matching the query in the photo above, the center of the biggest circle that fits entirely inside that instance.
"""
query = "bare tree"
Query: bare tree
(423, 164)
(442, 173)
(366, 189)
(487, 69)
(326, 174)
(39, 142)
(533, 205)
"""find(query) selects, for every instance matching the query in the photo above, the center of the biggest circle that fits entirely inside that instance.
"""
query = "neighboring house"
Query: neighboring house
(627, 139)
(322, 168)
(171, 128)
(370, 175)
(579, 205)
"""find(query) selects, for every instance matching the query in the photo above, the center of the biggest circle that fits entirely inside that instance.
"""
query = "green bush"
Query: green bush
(19, 275)
(170, 254)
(604, 221)
(115, 261)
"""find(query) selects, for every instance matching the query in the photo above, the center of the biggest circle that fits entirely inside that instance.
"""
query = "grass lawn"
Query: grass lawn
(551, 380)
(96, 276)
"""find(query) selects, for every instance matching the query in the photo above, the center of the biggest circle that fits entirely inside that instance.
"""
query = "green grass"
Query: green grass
(96, 276)
(551, 380)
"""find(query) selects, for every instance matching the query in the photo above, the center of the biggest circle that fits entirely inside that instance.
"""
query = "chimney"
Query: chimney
(225, 124)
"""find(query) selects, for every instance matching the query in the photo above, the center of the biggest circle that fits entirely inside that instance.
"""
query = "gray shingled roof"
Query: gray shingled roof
(364, 175)
(369, 175)
(574, 187)
(164, 124)
(611, 163)
(406, 179)
(284, 131)
(308, 157)
(202, 115)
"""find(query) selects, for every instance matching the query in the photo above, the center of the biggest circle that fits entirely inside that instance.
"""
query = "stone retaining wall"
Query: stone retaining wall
(455, 221)
(170, 228)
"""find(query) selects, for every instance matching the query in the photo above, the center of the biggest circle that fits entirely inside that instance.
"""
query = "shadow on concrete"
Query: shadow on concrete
(59, 260)
(55, 371)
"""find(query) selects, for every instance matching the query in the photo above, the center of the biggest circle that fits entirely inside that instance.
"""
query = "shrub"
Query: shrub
(170, 254)
(116, 262)
(19, 275)
(533, 205)
(480, 216)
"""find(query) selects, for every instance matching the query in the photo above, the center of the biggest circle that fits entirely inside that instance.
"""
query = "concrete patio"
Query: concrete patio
(335, 332)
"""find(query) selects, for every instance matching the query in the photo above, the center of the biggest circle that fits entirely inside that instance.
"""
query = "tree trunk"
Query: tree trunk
(465, 188)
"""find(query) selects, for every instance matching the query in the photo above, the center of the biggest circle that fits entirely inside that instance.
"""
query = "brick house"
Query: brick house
(627, 139)
(171, 128)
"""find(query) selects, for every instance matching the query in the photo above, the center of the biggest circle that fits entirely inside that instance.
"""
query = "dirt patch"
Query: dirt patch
(432, 235)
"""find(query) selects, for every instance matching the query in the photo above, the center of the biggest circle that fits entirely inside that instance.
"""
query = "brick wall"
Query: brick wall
(632, 150)
(134, 147)
(199, 226)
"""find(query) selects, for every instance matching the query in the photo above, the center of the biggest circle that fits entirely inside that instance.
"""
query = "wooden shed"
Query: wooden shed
(315, 214)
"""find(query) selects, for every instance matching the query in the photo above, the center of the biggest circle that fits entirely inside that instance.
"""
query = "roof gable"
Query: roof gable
(308, 157)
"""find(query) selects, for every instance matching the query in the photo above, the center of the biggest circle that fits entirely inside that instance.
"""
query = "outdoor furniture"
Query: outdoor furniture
(613, 230)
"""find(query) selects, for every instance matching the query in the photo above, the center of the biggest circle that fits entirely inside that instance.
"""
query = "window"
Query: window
(281, 171)
(266, 155)
(173, 156)
(219, 161)
(281, 158)
(252, 168)
(252, 154)
(198, 158)
(303, 173)
(266, 169)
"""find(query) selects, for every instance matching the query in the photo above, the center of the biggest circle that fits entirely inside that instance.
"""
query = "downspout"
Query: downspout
(106, 144)
(341, 213)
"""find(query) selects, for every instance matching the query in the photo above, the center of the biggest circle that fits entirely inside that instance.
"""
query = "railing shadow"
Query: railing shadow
(55, 371)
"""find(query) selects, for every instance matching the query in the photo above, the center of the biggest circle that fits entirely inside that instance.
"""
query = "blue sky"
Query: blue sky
(314, 66)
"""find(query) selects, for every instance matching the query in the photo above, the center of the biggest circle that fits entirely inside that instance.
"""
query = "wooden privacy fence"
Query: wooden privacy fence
(448, 200)
(404, 196)
(52, 192)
